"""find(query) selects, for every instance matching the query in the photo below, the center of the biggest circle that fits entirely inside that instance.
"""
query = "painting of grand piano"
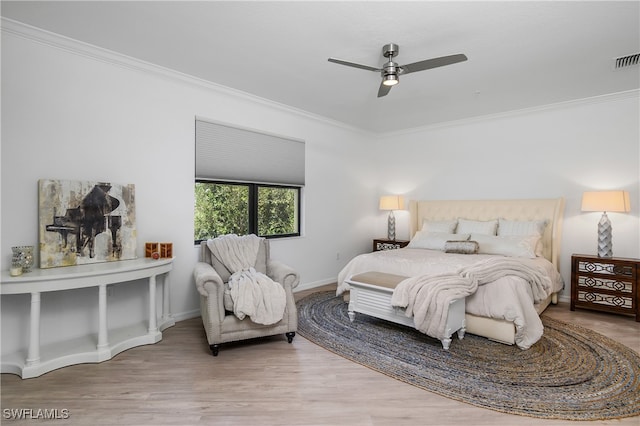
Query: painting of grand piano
(83, 222)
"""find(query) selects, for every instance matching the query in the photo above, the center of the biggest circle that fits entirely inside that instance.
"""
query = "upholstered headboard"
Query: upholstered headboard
(551, 210)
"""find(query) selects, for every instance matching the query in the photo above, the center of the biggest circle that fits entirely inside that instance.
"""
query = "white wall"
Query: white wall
(557, 151)
(67, 115)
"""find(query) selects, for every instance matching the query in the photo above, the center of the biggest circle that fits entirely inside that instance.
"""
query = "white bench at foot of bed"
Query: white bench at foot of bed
(371, 293)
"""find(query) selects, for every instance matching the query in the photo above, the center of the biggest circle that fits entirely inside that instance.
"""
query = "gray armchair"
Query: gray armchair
(222, 326)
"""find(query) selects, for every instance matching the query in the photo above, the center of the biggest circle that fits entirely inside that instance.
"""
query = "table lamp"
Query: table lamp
(391, 203)
(605, 201)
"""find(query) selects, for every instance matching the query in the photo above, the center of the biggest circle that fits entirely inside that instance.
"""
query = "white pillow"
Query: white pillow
(448, 226)
(512, 246)
(434, 240)
(521, 227)
(486, 227)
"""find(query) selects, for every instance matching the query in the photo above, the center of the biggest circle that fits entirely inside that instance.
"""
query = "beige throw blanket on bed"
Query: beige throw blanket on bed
(253, 293)
(427, 297)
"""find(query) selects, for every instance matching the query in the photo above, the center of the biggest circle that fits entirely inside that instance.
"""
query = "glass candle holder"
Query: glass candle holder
(22, 257)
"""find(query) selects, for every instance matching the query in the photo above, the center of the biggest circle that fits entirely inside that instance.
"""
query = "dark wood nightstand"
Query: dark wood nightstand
(607, 284)
(381, 244)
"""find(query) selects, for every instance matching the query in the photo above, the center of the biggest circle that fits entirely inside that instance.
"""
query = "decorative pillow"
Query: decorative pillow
(448, 226)
(512, 246)
(434, 240)
(486, 227)
(521, 227)
(461, 247)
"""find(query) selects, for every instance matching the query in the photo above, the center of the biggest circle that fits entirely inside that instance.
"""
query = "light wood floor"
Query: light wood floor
(264, 382)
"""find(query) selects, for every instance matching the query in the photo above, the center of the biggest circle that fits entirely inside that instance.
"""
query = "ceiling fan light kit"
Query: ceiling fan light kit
(391, 71)
(390, 80)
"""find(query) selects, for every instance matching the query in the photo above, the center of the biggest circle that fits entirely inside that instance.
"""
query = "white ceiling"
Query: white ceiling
(521, 54)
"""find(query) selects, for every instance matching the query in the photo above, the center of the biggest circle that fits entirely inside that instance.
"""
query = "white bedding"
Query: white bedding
(509, 298)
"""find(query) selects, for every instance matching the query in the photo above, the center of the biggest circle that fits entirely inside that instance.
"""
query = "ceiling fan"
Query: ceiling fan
(391, 71)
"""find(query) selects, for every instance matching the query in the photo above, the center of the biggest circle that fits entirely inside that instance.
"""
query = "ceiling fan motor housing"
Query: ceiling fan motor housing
(390, 50)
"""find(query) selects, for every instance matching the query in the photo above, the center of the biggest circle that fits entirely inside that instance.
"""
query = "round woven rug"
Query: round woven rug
(572, 373)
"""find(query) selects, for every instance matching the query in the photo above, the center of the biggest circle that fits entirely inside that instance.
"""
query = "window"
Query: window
(245, 208)
(246, 182)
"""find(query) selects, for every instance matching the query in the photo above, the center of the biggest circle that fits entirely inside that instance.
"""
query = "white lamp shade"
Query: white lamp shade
(606, 201)
(391, 202)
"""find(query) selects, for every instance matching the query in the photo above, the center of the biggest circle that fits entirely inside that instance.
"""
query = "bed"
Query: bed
(504, 310)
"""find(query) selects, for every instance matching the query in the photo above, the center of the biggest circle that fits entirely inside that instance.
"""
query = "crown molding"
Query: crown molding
(92, 52)
(634, 93)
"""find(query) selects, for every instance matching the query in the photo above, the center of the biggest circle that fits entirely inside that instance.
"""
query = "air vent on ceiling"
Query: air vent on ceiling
(626, 61)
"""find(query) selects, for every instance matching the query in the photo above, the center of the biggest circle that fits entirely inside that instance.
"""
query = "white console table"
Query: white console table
(109, 342)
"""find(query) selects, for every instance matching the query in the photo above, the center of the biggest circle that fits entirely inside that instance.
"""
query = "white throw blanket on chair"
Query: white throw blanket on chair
(253, 293)
(427, 297)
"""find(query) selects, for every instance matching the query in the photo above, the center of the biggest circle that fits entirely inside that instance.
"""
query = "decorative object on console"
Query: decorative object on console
(22, 257)
(158, 250)
(391, 203)
(84, 222)
(16, 262)
(21, 260)
(605, 201)
(150, 249)
(166, 250)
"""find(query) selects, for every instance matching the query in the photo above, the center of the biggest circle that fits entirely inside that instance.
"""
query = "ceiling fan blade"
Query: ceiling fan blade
(353, 64)
(383, 90)
(433, 63)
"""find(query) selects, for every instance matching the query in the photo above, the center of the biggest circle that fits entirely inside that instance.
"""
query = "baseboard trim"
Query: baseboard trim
(312, 285)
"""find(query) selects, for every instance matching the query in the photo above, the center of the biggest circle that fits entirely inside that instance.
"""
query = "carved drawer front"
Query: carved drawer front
(613, 300)
(606, 268)
(387, 246)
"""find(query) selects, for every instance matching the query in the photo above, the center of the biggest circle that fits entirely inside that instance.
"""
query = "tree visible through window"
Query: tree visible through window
(245, 208)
